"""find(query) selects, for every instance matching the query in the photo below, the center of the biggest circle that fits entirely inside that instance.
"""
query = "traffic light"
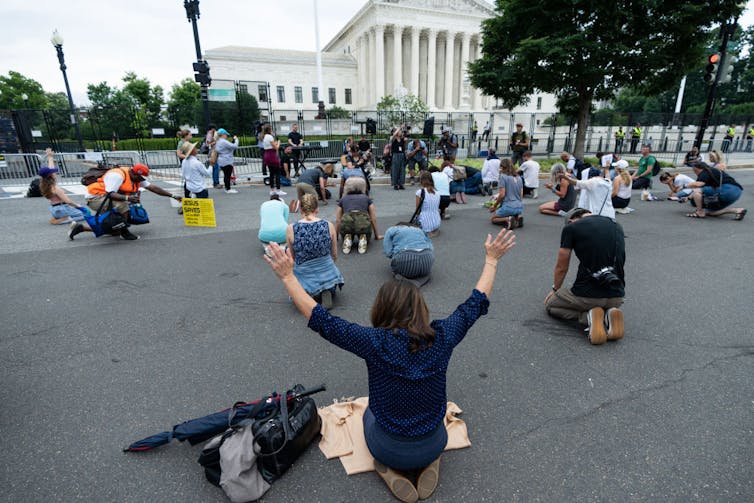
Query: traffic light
(727, 74)
(710, 71)
(202, 73)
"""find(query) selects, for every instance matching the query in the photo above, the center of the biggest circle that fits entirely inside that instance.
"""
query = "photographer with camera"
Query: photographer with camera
(597, 294)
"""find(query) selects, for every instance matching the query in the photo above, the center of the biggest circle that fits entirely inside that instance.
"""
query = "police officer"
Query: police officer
(635, 137)
(620, 135)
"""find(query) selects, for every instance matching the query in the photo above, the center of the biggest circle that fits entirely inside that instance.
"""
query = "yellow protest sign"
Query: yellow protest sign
(199, 212)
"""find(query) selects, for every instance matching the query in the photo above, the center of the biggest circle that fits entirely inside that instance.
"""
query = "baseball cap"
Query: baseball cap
(141, 170)
(45, 171)
(446, 129)
(621, 164)
(223, 131)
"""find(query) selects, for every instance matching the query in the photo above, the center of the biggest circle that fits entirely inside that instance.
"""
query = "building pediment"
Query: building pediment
(477, 7)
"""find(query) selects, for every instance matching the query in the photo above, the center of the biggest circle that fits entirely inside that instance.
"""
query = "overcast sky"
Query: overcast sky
(103, 39)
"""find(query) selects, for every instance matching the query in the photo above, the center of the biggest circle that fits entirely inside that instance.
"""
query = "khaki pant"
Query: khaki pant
(95, 203)
(304, 188)
(567, 306)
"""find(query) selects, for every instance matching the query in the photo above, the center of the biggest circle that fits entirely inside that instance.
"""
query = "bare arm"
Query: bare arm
(333, 241)
(561, 269)
(616, 186)
(282, 265)
(63, 197)
(289, 240)
(494, 249)
(373, 218)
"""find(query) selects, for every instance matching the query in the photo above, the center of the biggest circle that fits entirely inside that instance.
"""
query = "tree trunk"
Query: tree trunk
(585, 104)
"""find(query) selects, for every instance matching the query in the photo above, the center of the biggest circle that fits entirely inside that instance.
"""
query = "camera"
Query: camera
(606, 277)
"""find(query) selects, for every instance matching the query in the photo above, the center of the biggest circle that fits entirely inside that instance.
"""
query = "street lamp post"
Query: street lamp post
(57, 42)
(25, 97)
(200, 67)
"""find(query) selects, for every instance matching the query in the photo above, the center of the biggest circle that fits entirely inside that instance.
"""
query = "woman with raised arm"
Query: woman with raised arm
(407, 357)
(62, 208)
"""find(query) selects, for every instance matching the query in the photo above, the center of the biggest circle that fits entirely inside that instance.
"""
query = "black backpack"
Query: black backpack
(579, 166)
(34, 190)
(656, 168)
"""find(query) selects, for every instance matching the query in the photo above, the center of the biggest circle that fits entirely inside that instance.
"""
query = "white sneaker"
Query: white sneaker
(623, 211)
(347, 243)
(281, 193)
(273, 192)
(231, 191)
(363, 243)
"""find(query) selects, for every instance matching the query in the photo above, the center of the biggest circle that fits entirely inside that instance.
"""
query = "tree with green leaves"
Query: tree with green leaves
(337, 112)
(395, 110)
(14, 86)
(185, 103)
(584, 50)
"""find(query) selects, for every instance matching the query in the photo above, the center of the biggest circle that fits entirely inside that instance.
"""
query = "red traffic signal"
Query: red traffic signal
(714, 58)
(710, 71)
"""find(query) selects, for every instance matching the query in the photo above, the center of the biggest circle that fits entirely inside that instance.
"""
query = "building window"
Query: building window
(243, 88)
(331, 95)
(299, 94)
(281, 94)
(348, 96)
(315, 95)
(262, 89)
(539, 103)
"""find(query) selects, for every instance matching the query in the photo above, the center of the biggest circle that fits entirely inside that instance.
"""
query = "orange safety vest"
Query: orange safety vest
(127, 187)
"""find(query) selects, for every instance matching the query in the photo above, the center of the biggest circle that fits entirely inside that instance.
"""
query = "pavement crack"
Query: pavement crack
(632, 395)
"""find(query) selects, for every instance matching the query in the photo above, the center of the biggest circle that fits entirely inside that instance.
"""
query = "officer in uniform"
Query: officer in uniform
(620, 135)
(635, 137)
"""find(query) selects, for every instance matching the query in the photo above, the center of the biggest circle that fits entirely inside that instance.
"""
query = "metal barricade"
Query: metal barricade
(19, 169)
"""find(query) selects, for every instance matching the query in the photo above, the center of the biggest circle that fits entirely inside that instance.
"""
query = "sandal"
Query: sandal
(695, 215)
(741, 214)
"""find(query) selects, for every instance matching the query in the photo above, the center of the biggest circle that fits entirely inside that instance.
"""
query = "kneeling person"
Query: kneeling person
(596, 295)
(123, 185)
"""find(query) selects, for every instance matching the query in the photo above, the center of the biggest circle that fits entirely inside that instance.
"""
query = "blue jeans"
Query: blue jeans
(403, 453)
(66, 210)
(215, 175)
(728, 194)
(508, 211)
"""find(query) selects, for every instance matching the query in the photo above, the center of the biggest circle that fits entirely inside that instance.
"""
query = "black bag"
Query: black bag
(106, 220)
(656, 168)
(283, 427)
(95, 173)
(34, 189)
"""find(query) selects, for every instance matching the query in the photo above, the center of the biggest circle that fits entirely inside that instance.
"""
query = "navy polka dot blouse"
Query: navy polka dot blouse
(406, 390)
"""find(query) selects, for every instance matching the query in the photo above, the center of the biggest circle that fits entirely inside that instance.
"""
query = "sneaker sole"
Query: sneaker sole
(597, 334)
(427, 481)
(400, 486)
(616, 331)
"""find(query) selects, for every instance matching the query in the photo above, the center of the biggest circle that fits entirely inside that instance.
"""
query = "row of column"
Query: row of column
(372, 61)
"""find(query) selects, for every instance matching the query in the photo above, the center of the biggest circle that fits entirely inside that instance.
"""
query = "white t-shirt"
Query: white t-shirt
(681, 181)
(442, 183)
(595, 195)
(531, 173)
(491, 170)
(267, 141)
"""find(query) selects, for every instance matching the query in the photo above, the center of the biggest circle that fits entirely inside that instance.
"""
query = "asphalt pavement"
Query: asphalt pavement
(104, 342)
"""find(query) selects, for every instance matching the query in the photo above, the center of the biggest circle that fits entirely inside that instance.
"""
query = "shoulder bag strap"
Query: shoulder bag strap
(286, 424)
(605, 201)
(418, 209)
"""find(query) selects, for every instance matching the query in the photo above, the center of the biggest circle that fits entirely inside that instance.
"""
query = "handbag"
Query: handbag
(415, 216)
(459, 173)
(253, 453)
(106, 220)
(137, 215)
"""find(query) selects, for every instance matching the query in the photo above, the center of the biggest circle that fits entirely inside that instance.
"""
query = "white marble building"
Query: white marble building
(390, 46)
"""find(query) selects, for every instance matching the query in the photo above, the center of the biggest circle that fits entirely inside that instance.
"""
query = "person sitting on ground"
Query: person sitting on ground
(529, 170)
(562, 187)
(442, 187)
(714, 191)
(410, 251)
(62, 209)
(716, 160)
(123, 184)
(508, 207)
(692, 157)
(365, 149)
(356, 216)
(490, 172)
(678, 183)
(273, 221)
(354, 167)
(473, 182)
(595, 187)
(407, 357)
(314, 247)
(642, 177)
(193, 172)
(621, 193)
(597, 294)
(428, 205)
(314, 181)
(457, 188)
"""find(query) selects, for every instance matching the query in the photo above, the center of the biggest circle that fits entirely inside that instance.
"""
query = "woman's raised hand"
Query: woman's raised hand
(499, 246)
(280, 261)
